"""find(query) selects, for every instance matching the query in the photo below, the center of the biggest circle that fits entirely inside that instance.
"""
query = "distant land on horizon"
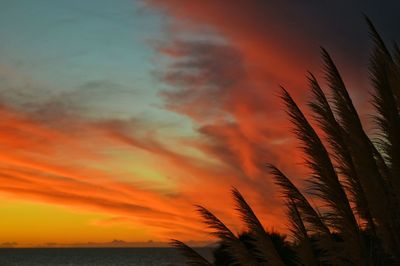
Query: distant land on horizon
(116, 243)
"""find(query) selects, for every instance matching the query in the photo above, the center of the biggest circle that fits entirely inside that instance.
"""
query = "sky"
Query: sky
(118, 116)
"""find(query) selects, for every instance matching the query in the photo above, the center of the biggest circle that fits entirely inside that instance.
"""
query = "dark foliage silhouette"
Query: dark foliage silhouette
(357, 178)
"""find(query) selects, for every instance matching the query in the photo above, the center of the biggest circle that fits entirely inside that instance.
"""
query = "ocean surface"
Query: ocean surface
(93, 256)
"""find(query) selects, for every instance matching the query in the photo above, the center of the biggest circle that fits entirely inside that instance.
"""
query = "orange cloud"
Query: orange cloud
(44, 161)
(224, 82)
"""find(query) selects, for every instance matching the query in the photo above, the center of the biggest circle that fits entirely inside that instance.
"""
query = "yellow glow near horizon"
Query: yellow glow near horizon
(36, 224)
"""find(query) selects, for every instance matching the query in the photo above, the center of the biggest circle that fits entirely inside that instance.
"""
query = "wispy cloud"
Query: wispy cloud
(222, 64)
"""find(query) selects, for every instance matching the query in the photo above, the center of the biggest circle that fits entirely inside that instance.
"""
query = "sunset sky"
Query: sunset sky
(116, 117)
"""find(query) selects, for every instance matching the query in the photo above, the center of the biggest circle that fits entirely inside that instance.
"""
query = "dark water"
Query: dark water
(93, 256)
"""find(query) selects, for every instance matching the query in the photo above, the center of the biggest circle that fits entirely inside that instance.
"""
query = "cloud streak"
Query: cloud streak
(222, 64)
(226, 80)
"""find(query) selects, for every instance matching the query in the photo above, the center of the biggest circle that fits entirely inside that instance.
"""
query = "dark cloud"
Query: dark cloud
(227, 80)
(201, 77)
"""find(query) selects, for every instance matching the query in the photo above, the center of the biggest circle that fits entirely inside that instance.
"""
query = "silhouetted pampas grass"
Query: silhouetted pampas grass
(357, 179)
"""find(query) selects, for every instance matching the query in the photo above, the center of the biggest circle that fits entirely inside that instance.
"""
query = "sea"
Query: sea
(94, 256)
